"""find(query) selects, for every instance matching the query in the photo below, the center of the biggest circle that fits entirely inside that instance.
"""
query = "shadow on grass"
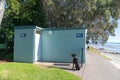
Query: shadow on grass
(64, 66)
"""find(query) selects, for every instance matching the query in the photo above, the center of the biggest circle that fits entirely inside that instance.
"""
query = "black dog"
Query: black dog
(75, 62)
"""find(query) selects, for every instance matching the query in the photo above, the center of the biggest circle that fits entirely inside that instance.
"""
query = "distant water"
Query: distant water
(111, 46)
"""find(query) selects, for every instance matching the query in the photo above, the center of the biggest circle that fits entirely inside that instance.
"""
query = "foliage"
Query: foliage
(23, 71)
(20, 12)
(2, 46)
(31, 13)
(8, 57)
(98, 16)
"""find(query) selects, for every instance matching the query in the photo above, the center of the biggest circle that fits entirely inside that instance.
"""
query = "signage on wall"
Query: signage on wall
(23, 35)
(79, 35)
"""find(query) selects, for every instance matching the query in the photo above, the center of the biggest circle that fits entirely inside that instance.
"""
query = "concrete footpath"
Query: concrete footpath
(97, 68)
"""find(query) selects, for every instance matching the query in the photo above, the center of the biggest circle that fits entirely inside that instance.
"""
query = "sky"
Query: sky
(117, 33)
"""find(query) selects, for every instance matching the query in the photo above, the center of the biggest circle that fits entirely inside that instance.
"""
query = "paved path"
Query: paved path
(97, 68)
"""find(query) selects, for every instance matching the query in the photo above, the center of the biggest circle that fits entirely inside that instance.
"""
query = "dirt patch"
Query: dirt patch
(3, 61)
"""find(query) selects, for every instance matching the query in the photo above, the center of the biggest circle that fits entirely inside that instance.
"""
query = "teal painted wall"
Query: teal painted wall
(58, 45)
(24, 43)
(54, 45)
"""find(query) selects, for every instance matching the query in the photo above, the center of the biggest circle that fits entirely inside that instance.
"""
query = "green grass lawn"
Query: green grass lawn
(97, 52)
(94, 50)
(25, 71)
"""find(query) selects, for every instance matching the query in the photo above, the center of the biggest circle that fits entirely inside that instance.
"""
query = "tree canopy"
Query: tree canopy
(98, 16)
(25, 12)
(18, 13)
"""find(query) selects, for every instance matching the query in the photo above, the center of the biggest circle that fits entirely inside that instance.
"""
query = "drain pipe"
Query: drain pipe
(82, 57)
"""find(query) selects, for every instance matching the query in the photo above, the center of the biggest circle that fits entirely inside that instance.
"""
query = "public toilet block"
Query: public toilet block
(33, 44)
(26, 43)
